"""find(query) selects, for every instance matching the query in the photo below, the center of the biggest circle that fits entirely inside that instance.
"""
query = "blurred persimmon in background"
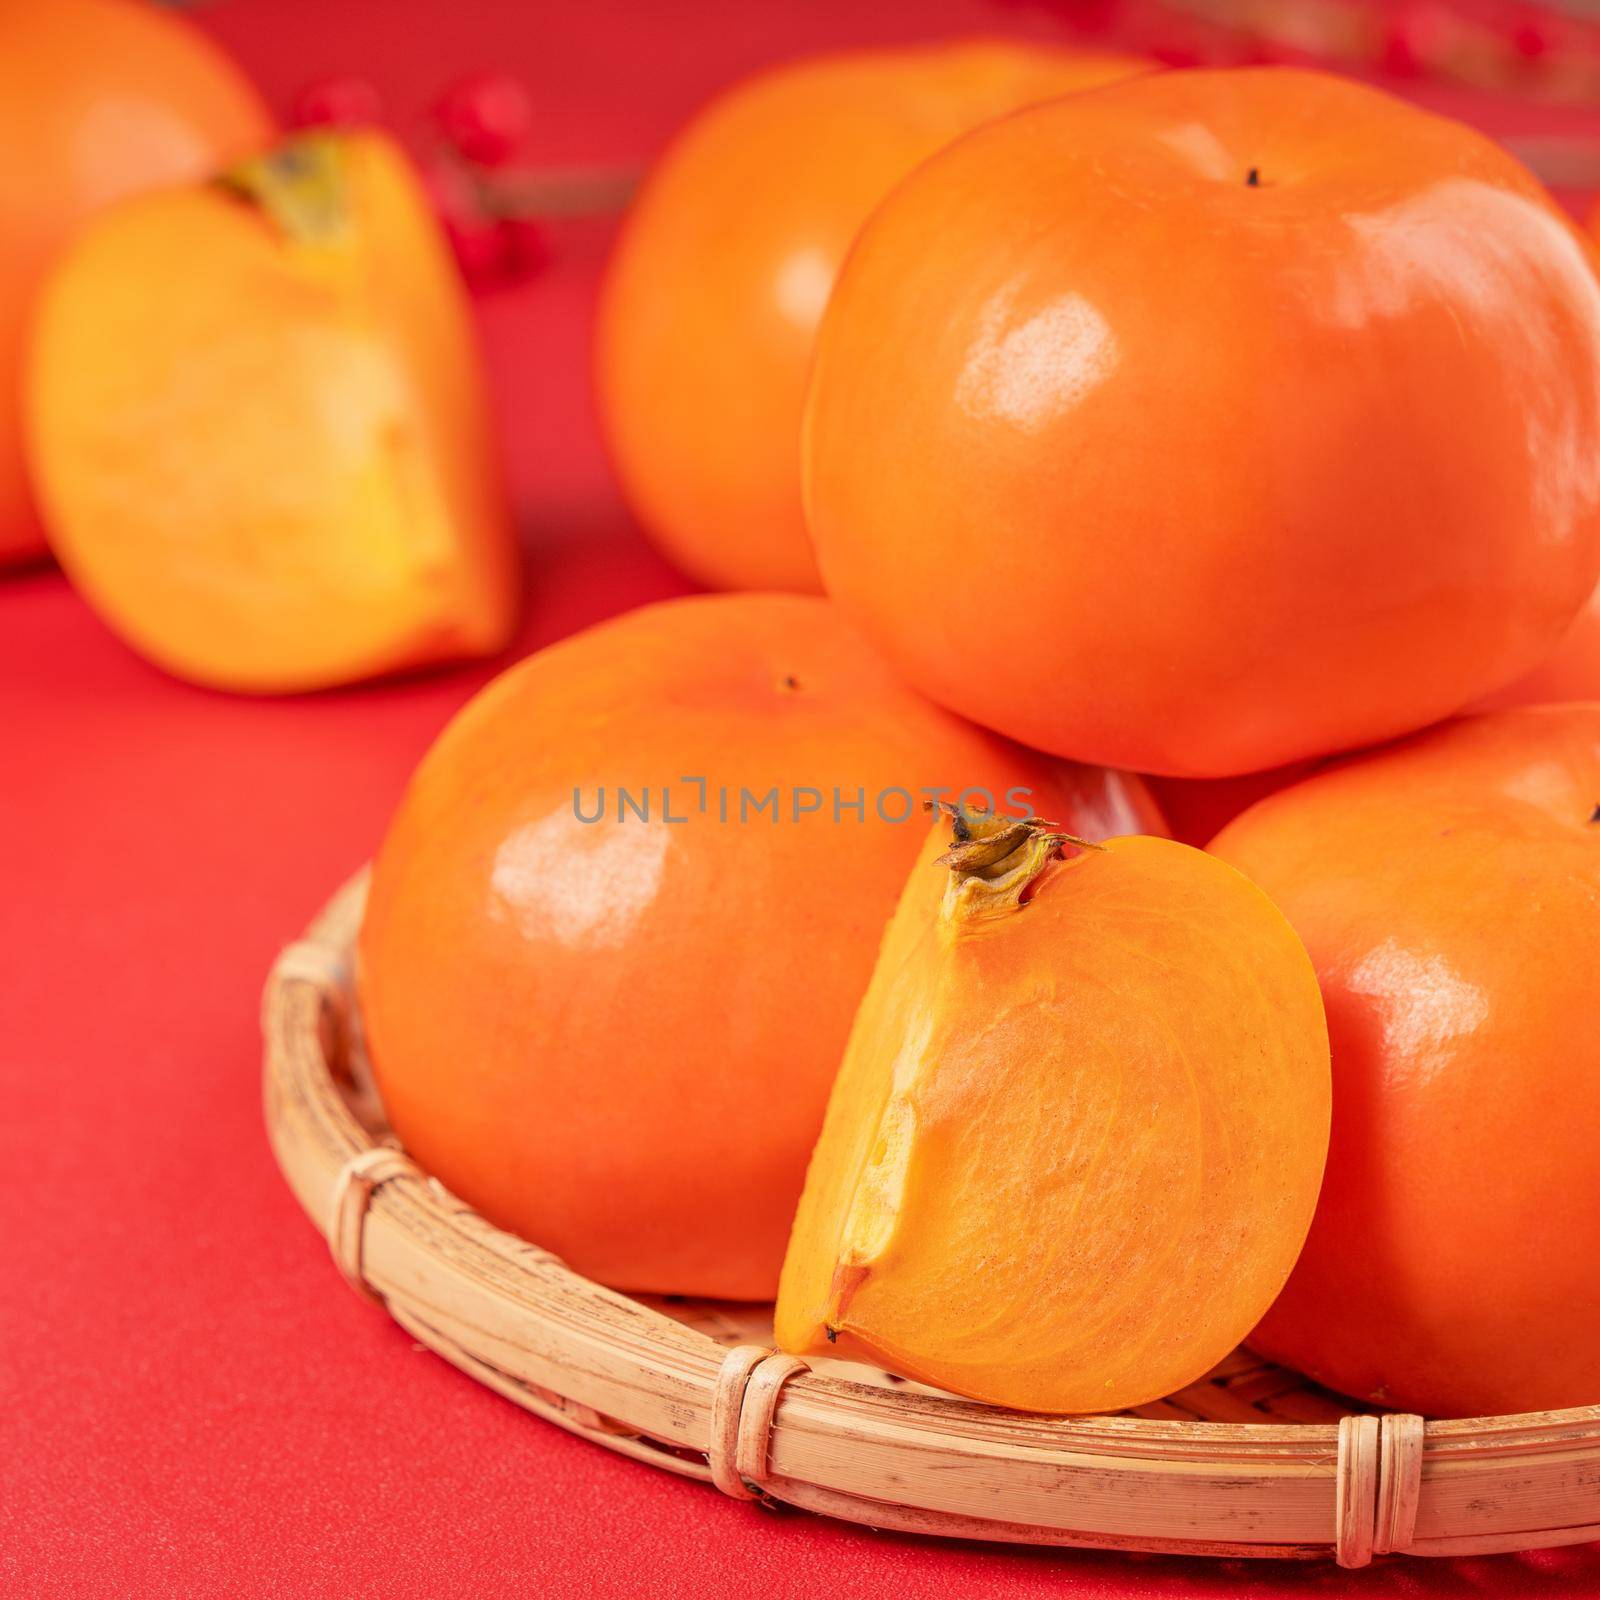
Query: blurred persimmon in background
(725, 264)
(617, 1036)
(1211, 421)
(98, 99)
(259, 431)
(1448, 889)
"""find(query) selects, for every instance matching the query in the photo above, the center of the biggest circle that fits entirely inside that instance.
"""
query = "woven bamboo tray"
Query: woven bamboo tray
(1251, 1461)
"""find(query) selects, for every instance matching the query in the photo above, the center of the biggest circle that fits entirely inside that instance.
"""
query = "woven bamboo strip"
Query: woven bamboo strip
(1273, 1471)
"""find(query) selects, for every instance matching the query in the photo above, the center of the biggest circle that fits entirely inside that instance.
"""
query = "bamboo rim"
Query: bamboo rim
(761, 1425)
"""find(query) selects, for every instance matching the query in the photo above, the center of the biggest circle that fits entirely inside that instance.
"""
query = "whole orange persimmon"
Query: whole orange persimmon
(259, 429)
(98, 99)
(1448, 889)
(1211, 421)
(620, 925)
(724, 265)
(1075, 1143)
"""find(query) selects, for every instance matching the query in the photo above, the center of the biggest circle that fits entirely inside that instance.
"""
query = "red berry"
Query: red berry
(1531, 37)
(336, 103)
(485, 117)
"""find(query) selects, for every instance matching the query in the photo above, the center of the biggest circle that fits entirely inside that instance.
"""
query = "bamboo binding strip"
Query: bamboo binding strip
(1252, 1461)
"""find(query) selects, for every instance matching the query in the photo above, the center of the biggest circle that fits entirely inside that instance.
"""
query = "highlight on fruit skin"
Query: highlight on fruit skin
(1448, 889)
(724, 264)
(615, 1035)
(1280, 467)
(1075, 1142)
(99, 99)
(258, 425)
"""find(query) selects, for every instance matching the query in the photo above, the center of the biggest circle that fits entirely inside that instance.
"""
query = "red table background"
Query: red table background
(191, 1403)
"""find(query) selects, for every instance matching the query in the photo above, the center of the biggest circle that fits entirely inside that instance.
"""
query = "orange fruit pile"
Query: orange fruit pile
(1218, 426)
(1236, 428)
(559, 979)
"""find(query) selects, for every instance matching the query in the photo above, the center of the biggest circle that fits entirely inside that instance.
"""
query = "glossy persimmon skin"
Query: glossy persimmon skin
(1448, 889)
(725, 262)
(98, 99)
(1075, 1142)
(1570, 672)
(261, 436)
(1211, 421)
(617, 1038)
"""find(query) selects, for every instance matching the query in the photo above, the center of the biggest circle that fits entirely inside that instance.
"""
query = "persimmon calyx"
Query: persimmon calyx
(995, 861)
(300, 186)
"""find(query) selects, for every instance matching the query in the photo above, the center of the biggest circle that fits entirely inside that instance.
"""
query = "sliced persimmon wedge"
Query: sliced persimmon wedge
(258, 426)
(1077, 1137)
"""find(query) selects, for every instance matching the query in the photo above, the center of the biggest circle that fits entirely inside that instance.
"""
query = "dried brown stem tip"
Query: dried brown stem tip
(995, 861)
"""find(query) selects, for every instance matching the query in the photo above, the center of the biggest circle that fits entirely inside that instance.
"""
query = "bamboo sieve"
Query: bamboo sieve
(1253, 1460)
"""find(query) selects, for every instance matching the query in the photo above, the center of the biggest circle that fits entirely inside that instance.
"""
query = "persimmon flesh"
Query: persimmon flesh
(1076, 1139)
(1263, 410)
